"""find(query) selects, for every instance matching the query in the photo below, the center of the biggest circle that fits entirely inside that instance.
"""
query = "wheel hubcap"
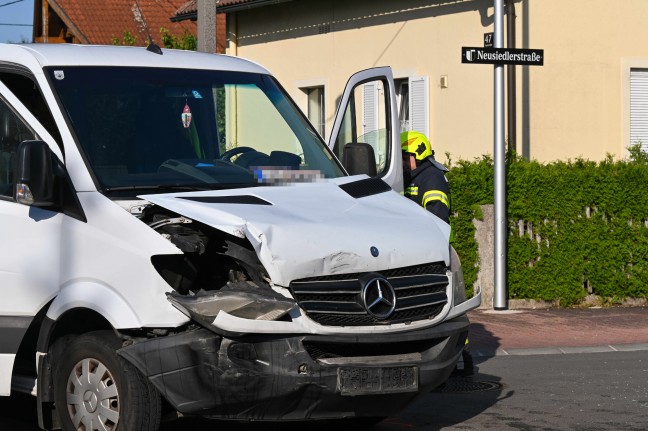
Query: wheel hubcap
(92, 397)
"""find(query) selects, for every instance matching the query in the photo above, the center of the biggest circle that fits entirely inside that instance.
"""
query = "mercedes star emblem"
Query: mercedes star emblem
(379, 298)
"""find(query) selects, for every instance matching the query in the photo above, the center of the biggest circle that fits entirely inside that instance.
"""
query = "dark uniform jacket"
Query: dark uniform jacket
(428, 186)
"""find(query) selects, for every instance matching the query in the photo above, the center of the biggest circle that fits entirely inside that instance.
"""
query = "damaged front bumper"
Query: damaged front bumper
(298, 377)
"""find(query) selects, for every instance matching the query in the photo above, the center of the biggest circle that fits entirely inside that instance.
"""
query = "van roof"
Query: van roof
(39, 55)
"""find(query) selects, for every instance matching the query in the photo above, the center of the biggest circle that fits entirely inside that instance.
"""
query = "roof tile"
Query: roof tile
(191, 7)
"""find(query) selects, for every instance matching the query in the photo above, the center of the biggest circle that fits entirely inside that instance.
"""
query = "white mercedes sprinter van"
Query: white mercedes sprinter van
(177, 237)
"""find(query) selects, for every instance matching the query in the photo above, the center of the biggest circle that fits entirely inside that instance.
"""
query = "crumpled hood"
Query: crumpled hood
(319, 228)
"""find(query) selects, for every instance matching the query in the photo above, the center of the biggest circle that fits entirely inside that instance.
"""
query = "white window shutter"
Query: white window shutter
(419, 104)
(369, 107)
(639, 107)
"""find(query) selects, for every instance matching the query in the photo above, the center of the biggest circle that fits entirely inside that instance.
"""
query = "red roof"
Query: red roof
(99, 21)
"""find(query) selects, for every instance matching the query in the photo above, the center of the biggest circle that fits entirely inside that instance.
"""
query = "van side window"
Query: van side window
(12, 132)
(26, 90)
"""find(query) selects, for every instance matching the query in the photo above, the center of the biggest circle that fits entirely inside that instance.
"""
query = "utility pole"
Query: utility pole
(206, 11)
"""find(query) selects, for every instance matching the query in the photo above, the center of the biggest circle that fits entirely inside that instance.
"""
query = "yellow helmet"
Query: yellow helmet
(416, 143)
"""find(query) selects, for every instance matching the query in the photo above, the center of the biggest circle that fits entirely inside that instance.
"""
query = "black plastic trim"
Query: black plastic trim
(290, 377)
(366, 187)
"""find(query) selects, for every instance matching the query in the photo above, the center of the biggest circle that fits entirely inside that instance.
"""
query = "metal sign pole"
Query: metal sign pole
(500, 297)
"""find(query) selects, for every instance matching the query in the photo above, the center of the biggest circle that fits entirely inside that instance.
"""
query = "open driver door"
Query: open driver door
(366, 130)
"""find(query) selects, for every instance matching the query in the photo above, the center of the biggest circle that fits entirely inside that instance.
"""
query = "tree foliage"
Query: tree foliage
(186, 41)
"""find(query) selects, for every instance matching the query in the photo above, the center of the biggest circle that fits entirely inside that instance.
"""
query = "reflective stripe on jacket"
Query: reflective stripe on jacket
(429, 188)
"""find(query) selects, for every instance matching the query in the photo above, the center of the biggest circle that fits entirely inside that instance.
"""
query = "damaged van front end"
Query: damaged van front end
(301, 330)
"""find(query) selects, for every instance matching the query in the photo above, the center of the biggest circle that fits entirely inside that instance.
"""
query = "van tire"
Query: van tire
(106, 388)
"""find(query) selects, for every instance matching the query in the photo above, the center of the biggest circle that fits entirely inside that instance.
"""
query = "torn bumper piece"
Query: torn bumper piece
(283, 378)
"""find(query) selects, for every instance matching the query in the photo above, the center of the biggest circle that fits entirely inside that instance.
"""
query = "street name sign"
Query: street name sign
(523, 57)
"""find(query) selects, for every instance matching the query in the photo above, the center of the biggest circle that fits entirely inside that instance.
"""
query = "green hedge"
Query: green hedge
(575, 228)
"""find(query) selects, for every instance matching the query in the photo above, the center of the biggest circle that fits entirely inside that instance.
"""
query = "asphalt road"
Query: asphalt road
(580, 392)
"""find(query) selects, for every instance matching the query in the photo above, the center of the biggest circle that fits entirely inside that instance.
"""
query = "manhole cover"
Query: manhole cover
(466, 385)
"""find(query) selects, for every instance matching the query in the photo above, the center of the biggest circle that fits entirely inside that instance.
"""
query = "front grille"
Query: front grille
(336, 300)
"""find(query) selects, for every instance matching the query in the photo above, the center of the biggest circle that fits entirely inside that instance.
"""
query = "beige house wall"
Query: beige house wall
(576, 105)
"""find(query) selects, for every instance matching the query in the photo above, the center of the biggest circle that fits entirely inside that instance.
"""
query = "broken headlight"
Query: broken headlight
(204, 308)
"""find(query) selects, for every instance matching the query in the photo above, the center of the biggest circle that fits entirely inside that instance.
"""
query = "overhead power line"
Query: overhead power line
(10, 23)
(11, 2)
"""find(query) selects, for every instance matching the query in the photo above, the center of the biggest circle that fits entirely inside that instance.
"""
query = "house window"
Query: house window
(315, 111)
(413, 103)
(639, 108)
(402, 97)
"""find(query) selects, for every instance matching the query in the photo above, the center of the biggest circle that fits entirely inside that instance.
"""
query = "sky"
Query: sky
(16, 19)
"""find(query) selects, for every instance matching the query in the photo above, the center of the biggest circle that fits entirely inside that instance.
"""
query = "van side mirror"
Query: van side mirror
(359, 158)
(34, 176)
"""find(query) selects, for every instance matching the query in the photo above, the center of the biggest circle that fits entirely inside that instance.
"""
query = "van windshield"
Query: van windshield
(146, 127)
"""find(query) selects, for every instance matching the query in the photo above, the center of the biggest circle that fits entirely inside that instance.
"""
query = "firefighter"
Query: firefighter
(426, 184)
(424, 177)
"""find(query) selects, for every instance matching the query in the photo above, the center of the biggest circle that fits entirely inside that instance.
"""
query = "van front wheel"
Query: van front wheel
(95, 389)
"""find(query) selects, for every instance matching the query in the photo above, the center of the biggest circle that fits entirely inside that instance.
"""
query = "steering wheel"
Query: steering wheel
(227, 155)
